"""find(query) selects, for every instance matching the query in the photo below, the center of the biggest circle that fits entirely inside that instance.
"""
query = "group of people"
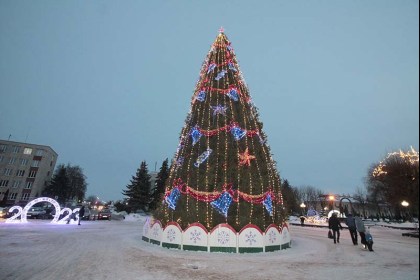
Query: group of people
(355, 225)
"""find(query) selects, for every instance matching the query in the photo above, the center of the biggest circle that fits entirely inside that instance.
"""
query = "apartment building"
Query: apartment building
(25, 170)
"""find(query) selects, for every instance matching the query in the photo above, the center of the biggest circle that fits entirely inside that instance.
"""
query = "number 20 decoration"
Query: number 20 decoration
(58, 211)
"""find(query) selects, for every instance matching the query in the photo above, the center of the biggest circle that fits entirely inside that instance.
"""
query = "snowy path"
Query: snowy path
(114, 250)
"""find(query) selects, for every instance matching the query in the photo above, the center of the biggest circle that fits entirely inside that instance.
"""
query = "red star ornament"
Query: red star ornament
(245, 158)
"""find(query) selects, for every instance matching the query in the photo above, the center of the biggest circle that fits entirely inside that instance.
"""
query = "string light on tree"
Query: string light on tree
(411, 157)
(222, 135)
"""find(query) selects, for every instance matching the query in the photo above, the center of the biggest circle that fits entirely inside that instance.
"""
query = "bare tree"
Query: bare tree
(361, 196)
(310, 196)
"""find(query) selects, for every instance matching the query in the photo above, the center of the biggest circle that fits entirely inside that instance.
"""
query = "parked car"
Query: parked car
(105, 214)
(87, 215)
(3, 212)
(49, 214)
(36, 213)
(8, 214)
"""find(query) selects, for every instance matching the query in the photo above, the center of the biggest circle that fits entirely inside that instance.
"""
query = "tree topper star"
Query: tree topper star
(245, 158)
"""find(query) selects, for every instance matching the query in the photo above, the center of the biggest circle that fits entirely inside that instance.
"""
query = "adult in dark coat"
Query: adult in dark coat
(360, 227)
(335, 225)
(81, 213)
(351, 224)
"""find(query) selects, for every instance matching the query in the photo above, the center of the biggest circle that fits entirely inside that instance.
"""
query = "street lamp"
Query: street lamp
(302, 205)
(405, 204)
(331, 198)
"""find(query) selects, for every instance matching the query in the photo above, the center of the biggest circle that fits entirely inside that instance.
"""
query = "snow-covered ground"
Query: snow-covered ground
(114, 250)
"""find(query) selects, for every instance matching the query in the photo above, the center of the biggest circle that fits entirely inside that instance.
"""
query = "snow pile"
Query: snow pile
(133, 217)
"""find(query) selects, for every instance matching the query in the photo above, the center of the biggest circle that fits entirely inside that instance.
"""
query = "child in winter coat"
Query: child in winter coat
(360, 226)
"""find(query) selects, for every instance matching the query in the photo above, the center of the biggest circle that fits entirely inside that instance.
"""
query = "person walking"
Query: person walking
(335, 225)
(302, 220)
(81, 213)
(351, 224)
(360, 227)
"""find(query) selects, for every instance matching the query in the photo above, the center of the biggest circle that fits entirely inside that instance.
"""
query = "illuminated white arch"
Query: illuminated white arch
(23, 218)
(334, 211)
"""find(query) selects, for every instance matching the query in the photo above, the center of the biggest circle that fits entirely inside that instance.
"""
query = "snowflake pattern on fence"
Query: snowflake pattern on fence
(195, 236)
(171, 235)
(223, 237)
(285, 234)
(146, 227)
(272, 236)
(250, 238)
(155, 232)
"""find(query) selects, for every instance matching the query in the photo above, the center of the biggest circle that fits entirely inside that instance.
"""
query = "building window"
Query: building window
(32, 174)
(8, 171)
(27, 151)
(3, 148)
(25, 196)
(16, 184)
(15, 149)
(4, 183)
(35, 163)
(39, 152)
(12, 196)
(23, 161)
(29, 185)
(20, 173)
(12, 160)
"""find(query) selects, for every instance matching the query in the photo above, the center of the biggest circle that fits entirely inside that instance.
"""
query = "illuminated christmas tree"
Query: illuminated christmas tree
(222, 171)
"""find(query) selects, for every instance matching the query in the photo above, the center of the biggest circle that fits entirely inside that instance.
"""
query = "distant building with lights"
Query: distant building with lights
(25, 170)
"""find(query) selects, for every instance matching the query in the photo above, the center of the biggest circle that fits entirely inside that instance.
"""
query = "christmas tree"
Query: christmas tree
(222, 171)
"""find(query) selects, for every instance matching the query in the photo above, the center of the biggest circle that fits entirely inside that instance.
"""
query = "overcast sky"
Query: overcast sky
(108, 84)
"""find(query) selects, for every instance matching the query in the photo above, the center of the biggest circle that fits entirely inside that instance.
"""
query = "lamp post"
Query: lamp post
(331, 198)
(405, 204)
(302, 205)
